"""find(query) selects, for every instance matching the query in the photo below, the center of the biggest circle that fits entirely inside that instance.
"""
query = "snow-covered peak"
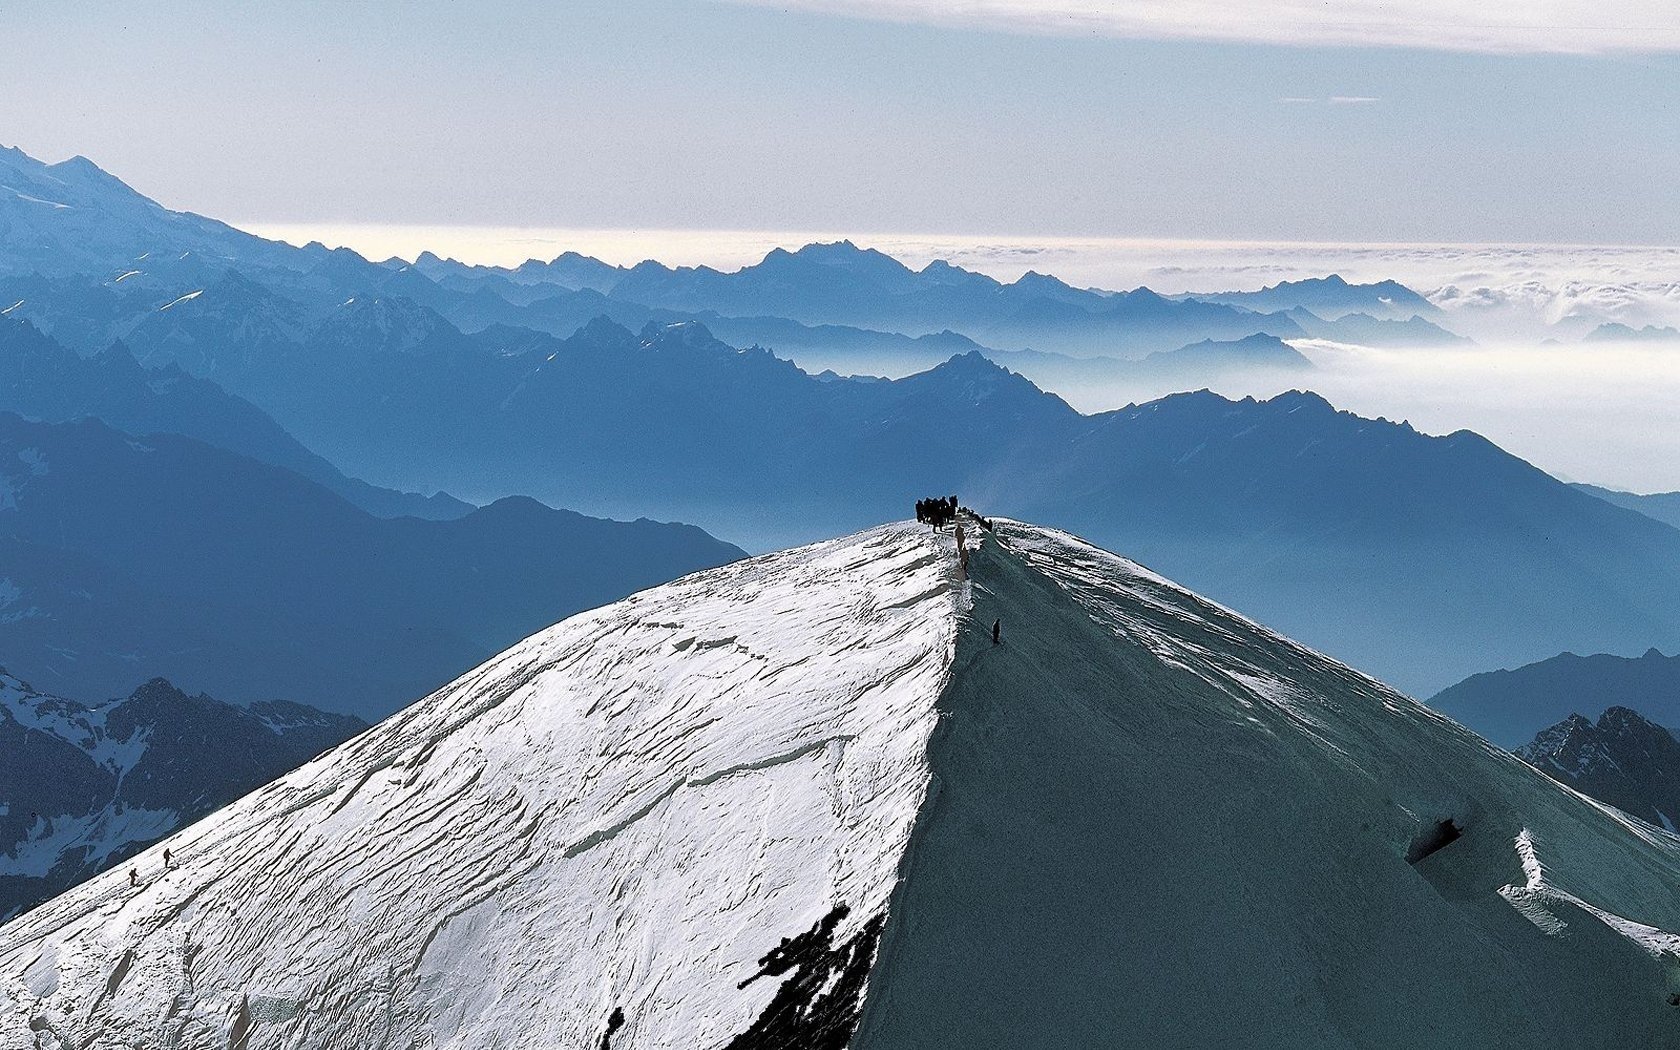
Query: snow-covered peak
(623, 812)
(806, 800)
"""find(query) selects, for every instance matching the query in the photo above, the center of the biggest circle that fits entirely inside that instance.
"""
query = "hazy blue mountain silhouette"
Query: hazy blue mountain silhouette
(1211, 356)
(1510, 706)
(1331, 298)
(569, 270)
(1615, 332)
(1364, 330)
(855, 351)
(841, 284)
(40, 379)
(125, 555)
(1421, 558)
(108, 260)
(1663, 506)
(1190, 367)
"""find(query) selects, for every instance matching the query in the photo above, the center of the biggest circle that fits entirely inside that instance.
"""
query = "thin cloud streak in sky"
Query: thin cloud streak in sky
(1490, 26)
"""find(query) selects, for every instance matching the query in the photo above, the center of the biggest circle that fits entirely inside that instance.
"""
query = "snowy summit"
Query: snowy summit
(804, 801)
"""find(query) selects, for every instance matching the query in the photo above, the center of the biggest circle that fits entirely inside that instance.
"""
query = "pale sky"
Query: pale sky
(1553, 121)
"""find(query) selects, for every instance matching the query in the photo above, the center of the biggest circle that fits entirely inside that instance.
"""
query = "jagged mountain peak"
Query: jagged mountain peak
(602, 330)
(841, 255)
(684, 333)
(1624, 759)
(948, 272)
(383, 322)
(1035, 280)
(972, 378)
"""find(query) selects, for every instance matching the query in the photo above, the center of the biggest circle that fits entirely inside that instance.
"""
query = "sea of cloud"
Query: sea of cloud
(1489, 291)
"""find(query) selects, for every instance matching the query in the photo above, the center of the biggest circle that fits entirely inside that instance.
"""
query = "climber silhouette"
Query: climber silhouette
(997, 630)
(134, 876)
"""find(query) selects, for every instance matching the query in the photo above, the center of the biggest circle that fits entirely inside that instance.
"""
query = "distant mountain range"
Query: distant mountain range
(72, 220)
(1362, 329)
(841, 284)
(1332, 298)
(85, 786)
(1216, 355)
(1510, 706)
(1195, 365)
(1356, 534)
(1423, 559)
(43, 380)
(1663, 506)
(1615, 332)
(162, 553)
(840, 295)
(1624, 760)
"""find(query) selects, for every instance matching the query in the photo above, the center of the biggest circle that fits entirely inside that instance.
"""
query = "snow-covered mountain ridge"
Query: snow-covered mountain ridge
(637, 803)
(803, 801)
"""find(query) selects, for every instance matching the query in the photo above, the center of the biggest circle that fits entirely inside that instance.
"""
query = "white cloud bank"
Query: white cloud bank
(1497, 26)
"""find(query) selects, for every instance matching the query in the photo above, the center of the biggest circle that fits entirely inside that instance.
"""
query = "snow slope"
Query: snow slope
(84, 786)
(623, 812)
(1161, 825)
(803, 802)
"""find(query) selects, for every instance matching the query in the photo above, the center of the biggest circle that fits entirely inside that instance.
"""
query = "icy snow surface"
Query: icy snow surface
(622, 812)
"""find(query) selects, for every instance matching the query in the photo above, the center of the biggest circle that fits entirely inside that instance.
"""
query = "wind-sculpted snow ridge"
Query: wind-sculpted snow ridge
(804, 802)
(622, 817)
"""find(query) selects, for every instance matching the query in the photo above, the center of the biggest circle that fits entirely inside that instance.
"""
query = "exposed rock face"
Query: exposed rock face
(1623, 759)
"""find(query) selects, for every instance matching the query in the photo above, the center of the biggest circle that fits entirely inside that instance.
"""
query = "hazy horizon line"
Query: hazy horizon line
(1004, 256)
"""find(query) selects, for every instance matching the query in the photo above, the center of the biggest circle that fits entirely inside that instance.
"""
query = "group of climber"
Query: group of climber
(134, 873)
(936, 510)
